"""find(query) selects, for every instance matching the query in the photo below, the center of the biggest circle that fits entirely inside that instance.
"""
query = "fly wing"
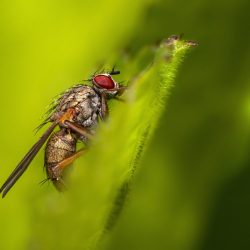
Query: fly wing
(23, 165)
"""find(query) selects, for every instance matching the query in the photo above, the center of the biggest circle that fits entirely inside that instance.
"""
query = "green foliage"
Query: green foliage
(101, 178)
(186, 154)
(91, 206)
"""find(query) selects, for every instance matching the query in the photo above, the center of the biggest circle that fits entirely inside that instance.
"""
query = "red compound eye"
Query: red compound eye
(104, 81)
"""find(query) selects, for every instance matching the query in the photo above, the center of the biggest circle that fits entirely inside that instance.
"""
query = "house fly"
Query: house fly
(76, 112)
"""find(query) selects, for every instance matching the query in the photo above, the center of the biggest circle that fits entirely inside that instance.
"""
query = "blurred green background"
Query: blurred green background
(192, 187)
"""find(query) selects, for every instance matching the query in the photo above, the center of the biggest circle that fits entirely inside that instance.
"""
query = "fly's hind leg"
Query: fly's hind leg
(56, 172)
(67, 161)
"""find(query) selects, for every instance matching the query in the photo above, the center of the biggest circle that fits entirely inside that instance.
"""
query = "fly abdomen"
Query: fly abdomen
(61, 145)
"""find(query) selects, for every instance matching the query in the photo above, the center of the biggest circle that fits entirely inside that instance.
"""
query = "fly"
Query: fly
(76, 112)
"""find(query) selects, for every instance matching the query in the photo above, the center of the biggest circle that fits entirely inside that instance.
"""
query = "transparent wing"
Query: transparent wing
(23, 165)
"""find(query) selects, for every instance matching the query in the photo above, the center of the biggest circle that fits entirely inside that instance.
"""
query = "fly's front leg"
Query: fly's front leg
(119, 90)
(104, 106)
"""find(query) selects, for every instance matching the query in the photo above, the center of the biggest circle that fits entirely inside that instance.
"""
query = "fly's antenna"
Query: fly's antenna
(114, 72)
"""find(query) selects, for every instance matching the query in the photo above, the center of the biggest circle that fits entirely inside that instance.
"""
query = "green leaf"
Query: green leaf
(101, 179)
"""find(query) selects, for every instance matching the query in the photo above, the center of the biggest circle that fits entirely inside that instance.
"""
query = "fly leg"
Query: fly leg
(66, 120)
(104, 106)
(119, 90)
(67, 161)
(79, 129)
(55, 173)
